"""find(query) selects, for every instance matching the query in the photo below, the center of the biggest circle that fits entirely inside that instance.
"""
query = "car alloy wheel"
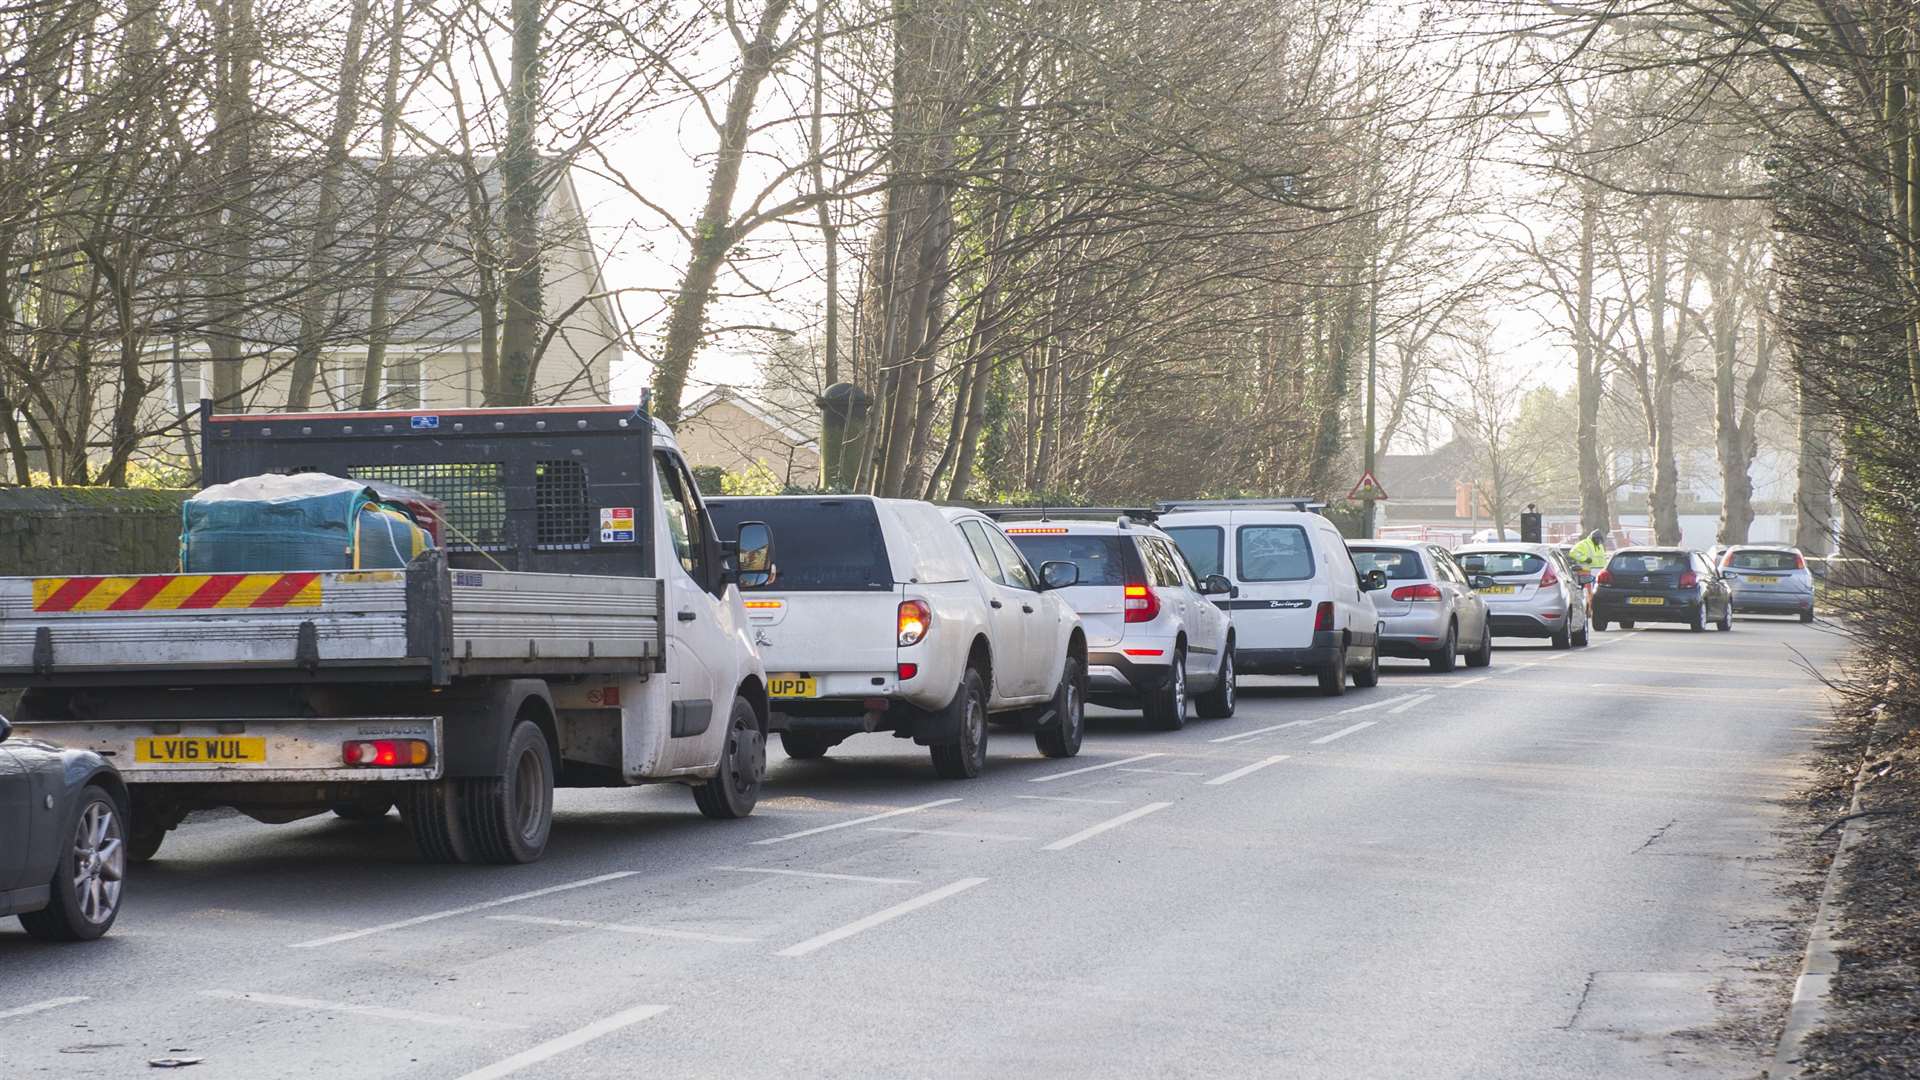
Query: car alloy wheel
(99, 862)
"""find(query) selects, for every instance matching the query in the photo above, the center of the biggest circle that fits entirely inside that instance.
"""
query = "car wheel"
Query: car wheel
(1482, 656)
(1726, 618)
(1599, 625)
(1562, 638)
(966, 756)
(805, 746)
(1448, 656)
(1166, 708)
(1060, 738)
(1369, 676)
(1698, 622)
(735, 789)
(88, 879)
(1217, 703)
(1580, 636)
(1333, 677)
(1806, 616)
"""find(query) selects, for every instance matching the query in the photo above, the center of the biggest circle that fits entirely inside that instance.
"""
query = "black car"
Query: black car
(1661, 585)
(63, 833)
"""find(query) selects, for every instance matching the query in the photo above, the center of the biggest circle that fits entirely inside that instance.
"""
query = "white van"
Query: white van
(1299, 606)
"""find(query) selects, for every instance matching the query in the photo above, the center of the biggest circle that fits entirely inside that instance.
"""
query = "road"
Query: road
(1576, 864)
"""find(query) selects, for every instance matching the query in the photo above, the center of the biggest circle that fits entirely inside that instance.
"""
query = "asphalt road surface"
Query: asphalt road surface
(1575, 864)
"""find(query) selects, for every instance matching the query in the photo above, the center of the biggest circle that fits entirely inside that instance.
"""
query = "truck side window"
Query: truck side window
(683, 517)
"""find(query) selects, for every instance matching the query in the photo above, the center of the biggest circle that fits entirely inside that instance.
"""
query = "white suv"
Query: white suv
(1299, 605)
(1153, 632)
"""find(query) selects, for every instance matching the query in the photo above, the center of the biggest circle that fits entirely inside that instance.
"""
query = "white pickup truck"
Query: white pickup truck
(581, 627)
(897, 615)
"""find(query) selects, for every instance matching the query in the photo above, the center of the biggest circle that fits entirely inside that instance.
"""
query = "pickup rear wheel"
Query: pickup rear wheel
(508, 818)
(803, 746)
(963, 758)
(733, 791)
(1060, 737)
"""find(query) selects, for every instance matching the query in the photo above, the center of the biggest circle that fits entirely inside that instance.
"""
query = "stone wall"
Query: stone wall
(89, 531)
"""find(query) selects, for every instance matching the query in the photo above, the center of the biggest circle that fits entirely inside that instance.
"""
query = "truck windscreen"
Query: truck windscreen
(820, 544)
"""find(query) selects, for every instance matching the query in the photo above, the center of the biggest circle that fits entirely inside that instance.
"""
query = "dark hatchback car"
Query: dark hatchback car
(1661, 585)
(63, 838)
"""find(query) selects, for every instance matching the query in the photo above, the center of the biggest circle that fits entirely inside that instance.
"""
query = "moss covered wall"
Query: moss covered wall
(90, 530)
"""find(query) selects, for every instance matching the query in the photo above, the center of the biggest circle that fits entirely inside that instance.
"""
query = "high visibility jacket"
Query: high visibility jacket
(1589, 553)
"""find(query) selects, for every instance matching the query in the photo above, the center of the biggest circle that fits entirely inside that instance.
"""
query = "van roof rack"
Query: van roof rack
(1303, 503)
(1124, 514)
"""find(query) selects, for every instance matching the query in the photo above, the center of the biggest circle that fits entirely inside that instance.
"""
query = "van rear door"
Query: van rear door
(1276, 567)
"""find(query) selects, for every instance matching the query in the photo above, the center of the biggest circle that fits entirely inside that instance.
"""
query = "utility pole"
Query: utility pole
(1373, 363)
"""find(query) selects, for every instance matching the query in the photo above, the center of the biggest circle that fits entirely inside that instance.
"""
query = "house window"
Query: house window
(404, 386)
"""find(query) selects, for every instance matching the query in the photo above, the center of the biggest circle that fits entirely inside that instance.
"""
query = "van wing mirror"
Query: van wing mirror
(1059, 573)
(753, 555)
(1374, 580)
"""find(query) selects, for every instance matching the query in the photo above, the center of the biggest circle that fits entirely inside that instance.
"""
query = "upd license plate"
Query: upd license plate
(1645, 601)
(1763, 581)
(1500, 590)
(792, 686)
(194, 750)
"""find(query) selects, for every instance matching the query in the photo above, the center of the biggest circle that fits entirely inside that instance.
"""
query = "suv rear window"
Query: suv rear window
(1764, 560)
(1273, 553)
(1203, 545)
(820, 545)
(1102, 559)
(1650, 562)
(1501, 563)
(1398, 565)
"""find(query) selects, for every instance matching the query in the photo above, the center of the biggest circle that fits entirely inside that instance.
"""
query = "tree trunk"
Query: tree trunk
(1813, 529)
(1589, 379)
(520, 217)
(829, 237)
(1663, 500)
(233, 166)
(384, 194)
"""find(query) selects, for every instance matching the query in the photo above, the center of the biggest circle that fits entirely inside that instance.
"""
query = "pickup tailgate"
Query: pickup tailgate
(833, 644)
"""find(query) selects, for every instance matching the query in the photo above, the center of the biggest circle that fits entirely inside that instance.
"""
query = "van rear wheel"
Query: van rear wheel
(1333, 677)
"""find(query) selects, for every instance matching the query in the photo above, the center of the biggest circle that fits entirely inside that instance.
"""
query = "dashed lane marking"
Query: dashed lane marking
(1466, 682)
(905, 907)
(1063, 798)
(347, 1008)
(1228, 778)
(1265, 730)
(352, 935)
(817, 874)
(1111, 823)
(1403, 707)
(1166, 772)
(40, 1006)
(555, 1047)
(856, 821)
(1371, 705)
(627, 928)
(1344, 732)
(1093, 768)
(962, 834)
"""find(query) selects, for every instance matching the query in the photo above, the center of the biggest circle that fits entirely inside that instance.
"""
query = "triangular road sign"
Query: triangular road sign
(1367, 488)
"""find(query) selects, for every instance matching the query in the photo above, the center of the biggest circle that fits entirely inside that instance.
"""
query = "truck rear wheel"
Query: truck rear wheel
(733, 791)
(508, 818)
(429, 811)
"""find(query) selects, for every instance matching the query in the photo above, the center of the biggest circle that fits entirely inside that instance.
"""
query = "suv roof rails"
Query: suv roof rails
(1125, 515)
(1303, 503)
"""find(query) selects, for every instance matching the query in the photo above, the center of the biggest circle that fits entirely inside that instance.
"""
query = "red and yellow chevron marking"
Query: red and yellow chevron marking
(176, 592)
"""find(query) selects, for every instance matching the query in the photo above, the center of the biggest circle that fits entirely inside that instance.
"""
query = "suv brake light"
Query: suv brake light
(1415, 592)
(1323, 616)
(916, 618)
(1549, 578)
(1141, 605)
(1689, 580)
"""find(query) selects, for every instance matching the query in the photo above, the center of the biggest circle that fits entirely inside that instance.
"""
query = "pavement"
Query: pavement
(1574, 864)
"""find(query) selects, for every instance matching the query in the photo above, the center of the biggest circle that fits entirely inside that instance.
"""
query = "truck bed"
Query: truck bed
(425, 623)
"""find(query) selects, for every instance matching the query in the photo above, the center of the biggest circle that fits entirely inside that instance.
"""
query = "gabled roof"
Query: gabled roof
(1426, 476)
(752, 407)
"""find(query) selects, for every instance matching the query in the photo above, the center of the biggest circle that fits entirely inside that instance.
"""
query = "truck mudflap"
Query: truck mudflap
(258, 750)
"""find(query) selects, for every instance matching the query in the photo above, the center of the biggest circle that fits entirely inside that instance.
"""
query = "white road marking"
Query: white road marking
(856, 821)
(1093, 768)
(1557, 656)
(1264, 730)
(1111, 823)
(950, 832)
(1343, 732)
(1410, 704)
(41, 1006)
(1166, 772)
(470, 908)
(1228, 778)
(1377, 704)
(1465, 682)
(1063, 798)
(821, 941)
(409, 1016)
(819, 874)
(627, 928)
(555, 1047)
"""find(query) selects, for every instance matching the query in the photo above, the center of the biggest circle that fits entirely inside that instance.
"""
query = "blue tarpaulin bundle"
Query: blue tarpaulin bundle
(306, 521)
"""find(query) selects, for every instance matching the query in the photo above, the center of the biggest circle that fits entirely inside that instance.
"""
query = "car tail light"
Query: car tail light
(908, 671)
(386, 752)
(1799, 562)
(1141, 605)
(1323, 616)
(1604, 577)
(916, 618)
(1689, 580)
(1548, 578)
(1416, 592)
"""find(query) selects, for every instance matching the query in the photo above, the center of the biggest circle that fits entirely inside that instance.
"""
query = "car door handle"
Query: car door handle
(1026, 608)
(687, 616)
(996, 603)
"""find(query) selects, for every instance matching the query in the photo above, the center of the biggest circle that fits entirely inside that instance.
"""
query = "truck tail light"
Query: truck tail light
(386, 753)
(1323, 616)
(1141, 605)
(916, 618)
(1548, 578)
(1689, 580)
(1416, 592)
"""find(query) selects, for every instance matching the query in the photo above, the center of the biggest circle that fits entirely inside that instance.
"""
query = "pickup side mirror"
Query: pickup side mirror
(1059, 573)
(1373, 580)
(753, 555)
(6, 728)
(1216, 585)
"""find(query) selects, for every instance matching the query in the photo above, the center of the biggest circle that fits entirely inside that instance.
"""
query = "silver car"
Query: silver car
(1769, 580)
(1429, 609)
(1533, 592)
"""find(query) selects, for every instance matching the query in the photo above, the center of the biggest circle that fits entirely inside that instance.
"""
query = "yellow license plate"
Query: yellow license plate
(196, 750)
(1645, 601)
(788, 686)
(1763, 581)
(1500, 590)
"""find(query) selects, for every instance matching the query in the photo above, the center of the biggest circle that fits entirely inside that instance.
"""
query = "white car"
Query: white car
(1300, 607)
(1153, 631)
(896, 615)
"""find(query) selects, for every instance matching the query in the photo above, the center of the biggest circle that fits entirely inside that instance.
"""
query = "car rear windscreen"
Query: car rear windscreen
(1102, 559)
(1202, 545)
(1501, 563)
(1764, 560)
(1397, 564)
(1649, 562)
(819, 545)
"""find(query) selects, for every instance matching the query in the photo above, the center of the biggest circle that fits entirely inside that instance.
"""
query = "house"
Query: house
(732, 430)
